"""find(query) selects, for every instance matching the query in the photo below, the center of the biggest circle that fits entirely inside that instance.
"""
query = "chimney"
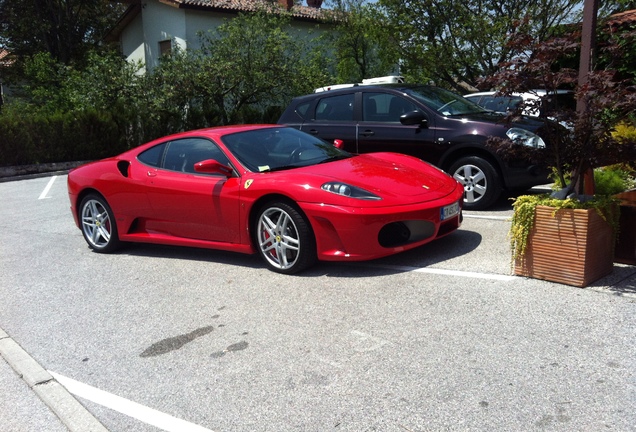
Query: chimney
(287, 4)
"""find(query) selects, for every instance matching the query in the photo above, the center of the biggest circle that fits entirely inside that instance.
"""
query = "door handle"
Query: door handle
(313, 131)
(367, 133)
(152, 174)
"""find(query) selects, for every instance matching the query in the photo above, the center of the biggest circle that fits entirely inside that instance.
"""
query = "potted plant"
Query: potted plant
(567, 236)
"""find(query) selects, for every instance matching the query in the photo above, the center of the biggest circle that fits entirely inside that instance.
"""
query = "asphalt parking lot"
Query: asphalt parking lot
(441, 338)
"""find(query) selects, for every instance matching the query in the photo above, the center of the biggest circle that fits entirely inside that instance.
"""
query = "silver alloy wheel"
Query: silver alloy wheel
(96, 224)
(474, 181)
(278, 238)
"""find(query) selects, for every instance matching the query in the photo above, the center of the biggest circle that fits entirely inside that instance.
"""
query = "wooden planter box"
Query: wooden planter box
(626, 242)
(572, 247)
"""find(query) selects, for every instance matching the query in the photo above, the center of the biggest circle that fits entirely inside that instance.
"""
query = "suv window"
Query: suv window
(384, 107)
(335, 108)
(443, 101)
(303, 109)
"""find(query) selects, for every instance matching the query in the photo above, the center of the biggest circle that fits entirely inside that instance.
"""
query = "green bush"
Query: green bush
(612, 180)
(58, 137)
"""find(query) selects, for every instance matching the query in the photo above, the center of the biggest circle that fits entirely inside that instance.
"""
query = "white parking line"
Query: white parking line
(503, 218)
(47, 188)
(472, 275)
(124, 406)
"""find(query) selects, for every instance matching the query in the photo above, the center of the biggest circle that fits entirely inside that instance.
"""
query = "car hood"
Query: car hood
(523, 121)
(388, 175)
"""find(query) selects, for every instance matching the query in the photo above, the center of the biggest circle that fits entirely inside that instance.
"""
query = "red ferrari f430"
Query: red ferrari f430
(267, 189)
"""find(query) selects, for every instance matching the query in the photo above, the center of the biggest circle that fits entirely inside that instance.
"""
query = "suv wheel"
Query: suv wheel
(481, 183)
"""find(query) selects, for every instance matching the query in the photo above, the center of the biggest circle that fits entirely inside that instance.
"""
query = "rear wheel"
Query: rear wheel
(98, 224)
(284, 238)
(481, 183)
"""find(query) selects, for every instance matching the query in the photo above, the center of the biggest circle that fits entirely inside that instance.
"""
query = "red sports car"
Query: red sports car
(283, 193)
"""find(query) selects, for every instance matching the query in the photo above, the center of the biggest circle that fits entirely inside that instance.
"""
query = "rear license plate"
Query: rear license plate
(449, 211)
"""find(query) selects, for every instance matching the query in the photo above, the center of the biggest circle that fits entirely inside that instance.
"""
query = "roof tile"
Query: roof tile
(619, 19)
(252, 5)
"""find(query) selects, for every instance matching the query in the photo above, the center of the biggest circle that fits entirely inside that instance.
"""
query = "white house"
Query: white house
(150, 28)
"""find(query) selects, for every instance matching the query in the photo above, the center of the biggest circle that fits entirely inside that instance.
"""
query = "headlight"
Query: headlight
(349, 191)
(525, 137)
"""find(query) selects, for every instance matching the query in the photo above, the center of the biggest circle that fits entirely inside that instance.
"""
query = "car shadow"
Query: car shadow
(456, 244)
(459, 243)
(191, 254)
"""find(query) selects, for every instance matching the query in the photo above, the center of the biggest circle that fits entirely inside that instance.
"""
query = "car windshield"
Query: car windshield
(443, 101)
(278, 148)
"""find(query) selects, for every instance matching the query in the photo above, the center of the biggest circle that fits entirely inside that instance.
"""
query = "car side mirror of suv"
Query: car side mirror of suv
(414, 118)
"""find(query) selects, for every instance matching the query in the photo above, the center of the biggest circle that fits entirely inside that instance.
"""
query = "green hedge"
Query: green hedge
(60, 137)
(28, 137)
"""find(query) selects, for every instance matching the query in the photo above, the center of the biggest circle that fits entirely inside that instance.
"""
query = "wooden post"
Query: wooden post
(588, 42)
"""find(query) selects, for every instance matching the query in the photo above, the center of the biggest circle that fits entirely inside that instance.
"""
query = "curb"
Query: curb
(11, 173)
(68, 409)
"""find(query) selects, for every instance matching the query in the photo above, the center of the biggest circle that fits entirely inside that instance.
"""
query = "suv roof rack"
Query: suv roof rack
(391, 79)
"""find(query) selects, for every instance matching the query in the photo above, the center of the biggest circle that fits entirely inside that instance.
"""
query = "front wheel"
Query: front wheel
(98, 224)
(482, 186)
(284, 238)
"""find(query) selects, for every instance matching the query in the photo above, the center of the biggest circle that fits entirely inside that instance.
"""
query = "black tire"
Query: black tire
(482, 186)
(98, 224)
(284, 238)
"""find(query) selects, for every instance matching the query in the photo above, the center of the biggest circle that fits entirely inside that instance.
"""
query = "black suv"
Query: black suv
(428, 122)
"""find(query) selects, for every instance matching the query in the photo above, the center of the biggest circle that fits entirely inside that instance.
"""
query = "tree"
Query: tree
(254, 60)
(589, 141)
(170, 102)
(618, 41)
(359, 44)
(456, 42)
(66, 29)
(615, 6)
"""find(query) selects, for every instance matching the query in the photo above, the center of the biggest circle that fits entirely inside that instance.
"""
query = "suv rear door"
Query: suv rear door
(330, 117)
(380, 128)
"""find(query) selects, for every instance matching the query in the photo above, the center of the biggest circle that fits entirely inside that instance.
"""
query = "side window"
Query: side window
(514, 102)
(302, 110)
(153, 155)
(335, 108)
(495, 103)
(181, 155)
(384, 107)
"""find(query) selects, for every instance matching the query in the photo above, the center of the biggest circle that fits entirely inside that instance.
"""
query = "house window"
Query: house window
(165, 47)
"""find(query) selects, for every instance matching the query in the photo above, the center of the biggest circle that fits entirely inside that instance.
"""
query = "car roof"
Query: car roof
(356, 87)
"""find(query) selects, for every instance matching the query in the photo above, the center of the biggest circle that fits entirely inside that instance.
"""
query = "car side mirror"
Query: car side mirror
(414, 118)
(338, 143)
(212, 166)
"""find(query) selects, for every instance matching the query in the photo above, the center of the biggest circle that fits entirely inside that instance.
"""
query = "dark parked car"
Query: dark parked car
(535, 103)
(428, 122)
